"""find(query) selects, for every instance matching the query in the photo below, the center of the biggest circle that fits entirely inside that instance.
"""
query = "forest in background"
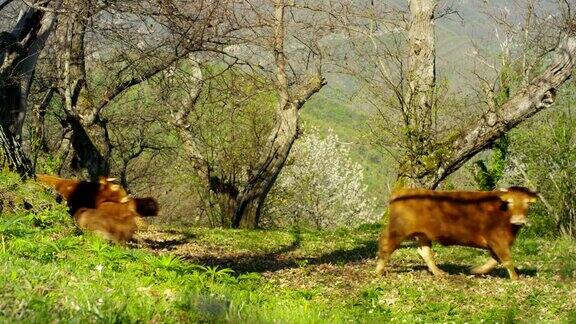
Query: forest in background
(181, 101)
(273, 133)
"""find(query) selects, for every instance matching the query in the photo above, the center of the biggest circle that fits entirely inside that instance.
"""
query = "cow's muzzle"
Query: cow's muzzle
(518, 220)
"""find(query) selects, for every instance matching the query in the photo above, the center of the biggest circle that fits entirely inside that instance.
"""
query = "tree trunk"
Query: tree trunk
(419, 96)
(253, 195)
(86, 154)
(421, 79)
(19, 51)
(284, 133)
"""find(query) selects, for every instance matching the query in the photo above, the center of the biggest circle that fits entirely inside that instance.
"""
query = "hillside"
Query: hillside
(207, 172)
(50, 272)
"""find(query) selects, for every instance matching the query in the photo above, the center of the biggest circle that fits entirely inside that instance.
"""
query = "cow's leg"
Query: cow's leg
(485, 268)
(503, 254)
(425, 251)
(387, 243)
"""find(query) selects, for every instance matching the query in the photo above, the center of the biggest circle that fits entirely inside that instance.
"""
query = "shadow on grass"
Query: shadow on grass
(275, 260)
(278, 259)
(167, 244)
(459, 269)
(164, 244)
(248, 262)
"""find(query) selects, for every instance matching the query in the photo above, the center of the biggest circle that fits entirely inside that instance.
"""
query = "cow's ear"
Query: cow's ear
(504, 205)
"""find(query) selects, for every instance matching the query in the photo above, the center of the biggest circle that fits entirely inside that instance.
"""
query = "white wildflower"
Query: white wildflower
(320, 186)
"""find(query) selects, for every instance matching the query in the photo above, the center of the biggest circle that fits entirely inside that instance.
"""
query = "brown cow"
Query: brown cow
(113, 221)
(117, 221)
(84, 194)
(486, 220)
(103, 207)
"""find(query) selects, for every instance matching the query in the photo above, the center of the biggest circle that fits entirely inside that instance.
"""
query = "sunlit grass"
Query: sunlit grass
(49, 271)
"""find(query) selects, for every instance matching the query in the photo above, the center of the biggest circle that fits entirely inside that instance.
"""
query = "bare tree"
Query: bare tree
(242, 200)
(19, 51)
(130, 42)
(431, 147)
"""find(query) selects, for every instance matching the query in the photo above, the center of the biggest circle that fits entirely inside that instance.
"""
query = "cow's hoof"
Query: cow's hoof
(440, 273)
(381, 269)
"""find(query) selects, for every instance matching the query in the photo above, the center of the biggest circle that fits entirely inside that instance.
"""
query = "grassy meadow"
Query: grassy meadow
(52, 272)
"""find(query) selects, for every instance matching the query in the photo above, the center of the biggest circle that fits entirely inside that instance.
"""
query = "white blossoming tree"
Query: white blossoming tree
(320, 187)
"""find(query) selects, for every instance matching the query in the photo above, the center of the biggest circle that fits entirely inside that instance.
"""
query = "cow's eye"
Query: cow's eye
(504, 206)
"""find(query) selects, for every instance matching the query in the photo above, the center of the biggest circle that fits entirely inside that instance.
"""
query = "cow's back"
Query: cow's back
(458, 219)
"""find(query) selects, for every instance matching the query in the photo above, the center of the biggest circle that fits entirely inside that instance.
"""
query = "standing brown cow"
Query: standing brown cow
(486, 220)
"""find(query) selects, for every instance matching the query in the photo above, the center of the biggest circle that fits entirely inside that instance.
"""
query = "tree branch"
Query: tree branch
(123, 86)
(539, 94)
(304, 91)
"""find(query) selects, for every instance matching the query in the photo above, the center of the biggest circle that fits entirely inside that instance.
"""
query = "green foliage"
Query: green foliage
(27, 208)
(544, 151)
(487, 174)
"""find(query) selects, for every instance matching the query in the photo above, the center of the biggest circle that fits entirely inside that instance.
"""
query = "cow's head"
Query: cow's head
(516, 201)
(110, 191)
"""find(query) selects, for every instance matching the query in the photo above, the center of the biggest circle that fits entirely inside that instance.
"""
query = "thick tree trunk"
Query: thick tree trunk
(253, 195)
(19, 51)
(86, 155)
(284, 133)
(421, 78)
(418, 98)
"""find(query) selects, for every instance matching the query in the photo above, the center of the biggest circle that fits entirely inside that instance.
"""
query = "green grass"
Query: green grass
(51, 272)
